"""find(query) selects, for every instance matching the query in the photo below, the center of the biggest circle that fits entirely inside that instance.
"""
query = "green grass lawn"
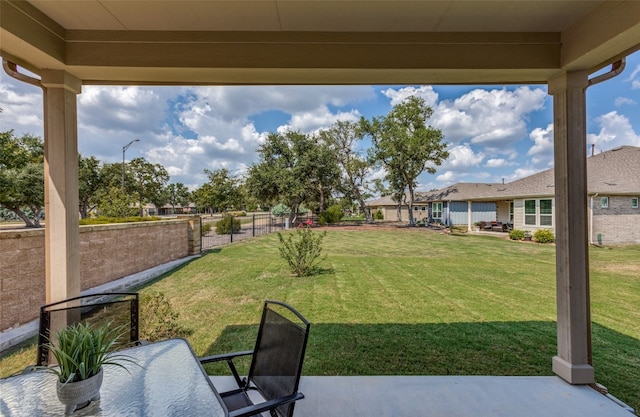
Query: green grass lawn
(411, 302)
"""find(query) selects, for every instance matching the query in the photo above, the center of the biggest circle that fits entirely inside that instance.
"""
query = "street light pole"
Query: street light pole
(124, 149)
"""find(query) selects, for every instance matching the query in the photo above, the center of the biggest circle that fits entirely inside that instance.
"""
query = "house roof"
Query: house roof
(614, 172)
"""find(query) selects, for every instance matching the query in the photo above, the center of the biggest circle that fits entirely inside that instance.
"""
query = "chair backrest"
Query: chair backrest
(279, 353)
(115, 309)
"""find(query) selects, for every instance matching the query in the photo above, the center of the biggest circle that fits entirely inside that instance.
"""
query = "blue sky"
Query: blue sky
(493, 132)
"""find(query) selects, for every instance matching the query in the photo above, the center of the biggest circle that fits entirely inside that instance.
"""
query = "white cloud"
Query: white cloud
(21, 105)
(135, 110)
(425, 92)
(319, 119)
(239, 102)
(452, 177)
(615, 130)
(634, 77)
(377, 174)
(542, 150)
(220, 119)
(634, 73)
(462, 158)
(621, 101)
(521, 173)
(447, 177)
(498, 163)
(495, 119)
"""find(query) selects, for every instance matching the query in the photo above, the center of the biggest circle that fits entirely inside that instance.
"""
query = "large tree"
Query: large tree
(294, 168)
(90, 183)
(148, 182)
(342, 139)
(406, 146)
(22, 176)
(221, 192)
(178, 195)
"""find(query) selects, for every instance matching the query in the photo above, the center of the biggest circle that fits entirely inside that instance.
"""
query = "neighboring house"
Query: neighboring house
(168, 209)
(613, 179)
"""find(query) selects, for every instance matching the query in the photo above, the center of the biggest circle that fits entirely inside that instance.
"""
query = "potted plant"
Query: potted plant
(81, 351)
(527, 235)
(477, 225)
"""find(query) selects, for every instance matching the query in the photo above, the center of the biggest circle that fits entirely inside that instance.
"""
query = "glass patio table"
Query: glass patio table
(170, 381)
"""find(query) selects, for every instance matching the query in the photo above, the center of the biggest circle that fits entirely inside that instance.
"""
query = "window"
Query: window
(546, 213)
(604, 202)
(511, 211)
(436, 211)
(634, 202)
(530, 212)
(538, 212)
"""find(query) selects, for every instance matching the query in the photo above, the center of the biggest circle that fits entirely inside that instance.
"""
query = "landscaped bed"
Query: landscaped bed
(405, 301)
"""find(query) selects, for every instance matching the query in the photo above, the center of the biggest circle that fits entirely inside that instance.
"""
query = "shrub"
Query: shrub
(206, 228)
(158, 319)
(378, 215)
(331, 215)
(280, 210)
(544, 236)
(109, 220)
(235, 213)
(516, 234)
(223, 227)
(115, 202)
(300, 250)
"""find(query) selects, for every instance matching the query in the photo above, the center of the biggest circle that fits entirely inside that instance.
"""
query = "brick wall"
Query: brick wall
(618, 223)
(107, 253)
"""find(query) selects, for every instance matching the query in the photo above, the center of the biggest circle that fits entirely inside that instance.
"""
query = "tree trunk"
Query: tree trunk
(367, 213)
(27, 221)
(83, 210)
(36, 215)
(410, 206)
(363, 206)
(321, 190)
(293, 215)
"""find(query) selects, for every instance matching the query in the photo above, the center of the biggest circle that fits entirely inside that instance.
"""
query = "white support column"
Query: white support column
(469, 215)
(573, 362)
(62, 234)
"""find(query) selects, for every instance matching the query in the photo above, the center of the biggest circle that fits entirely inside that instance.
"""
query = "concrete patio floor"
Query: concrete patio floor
(448, 396)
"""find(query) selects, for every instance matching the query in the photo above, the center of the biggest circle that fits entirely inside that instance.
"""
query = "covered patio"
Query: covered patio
(567, 45)
(447, 396)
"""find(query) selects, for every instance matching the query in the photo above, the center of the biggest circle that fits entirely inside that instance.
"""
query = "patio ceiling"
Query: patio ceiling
(316, 42)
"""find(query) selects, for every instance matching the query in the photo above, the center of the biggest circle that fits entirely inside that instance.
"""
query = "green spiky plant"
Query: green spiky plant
(81, 350)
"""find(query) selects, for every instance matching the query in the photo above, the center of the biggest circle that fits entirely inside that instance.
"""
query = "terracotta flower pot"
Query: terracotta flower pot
(74, 394)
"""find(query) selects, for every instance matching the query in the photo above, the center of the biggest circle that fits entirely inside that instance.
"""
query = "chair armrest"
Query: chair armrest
(224, 356)
(255, 409)
(229, 357)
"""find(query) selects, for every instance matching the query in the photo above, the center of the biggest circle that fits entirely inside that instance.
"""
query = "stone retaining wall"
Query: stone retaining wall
(107, 252)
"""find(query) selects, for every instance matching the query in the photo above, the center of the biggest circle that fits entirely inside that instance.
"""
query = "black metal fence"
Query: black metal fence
(250, 226)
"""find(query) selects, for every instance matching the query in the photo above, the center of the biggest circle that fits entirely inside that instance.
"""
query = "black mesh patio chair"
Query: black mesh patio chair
(113, 309)
(276, 364)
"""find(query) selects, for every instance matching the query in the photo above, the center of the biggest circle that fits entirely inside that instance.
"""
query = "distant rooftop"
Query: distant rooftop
(613, 172)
